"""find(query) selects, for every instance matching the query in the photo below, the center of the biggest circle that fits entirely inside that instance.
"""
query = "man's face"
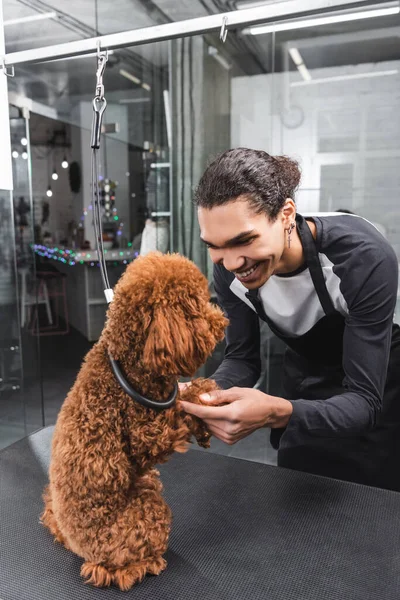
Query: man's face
(247, 244)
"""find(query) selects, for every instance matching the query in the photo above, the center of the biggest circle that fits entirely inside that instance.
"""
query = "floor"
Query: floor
(60, 357)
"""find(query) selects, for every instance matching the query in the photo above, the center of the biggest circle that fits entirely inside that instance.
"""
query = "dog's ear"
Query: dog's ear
(216, 320)
(127, 319)
(169, 345)
(177, 345)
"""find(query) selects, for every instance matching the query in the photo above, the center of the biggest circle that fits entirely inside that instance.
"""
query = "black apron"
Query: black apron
(313, 371)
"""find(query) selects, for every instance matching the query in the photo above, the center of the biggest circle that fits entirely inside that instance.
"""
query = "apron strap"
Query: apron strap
(316, 273)
(314, 265)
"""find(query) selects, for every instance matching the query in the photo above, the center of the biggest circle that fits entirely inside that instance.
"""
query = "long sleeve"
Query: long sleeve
(369, 279)
(241, 365)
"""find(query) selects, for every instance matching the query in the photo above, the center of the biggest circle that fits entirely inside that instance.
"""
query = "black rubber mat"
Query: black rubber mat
(241, 530)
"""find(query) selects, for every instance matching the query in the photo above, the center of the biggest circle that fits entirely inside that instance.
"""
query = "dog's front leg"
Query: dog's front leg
(191, 394)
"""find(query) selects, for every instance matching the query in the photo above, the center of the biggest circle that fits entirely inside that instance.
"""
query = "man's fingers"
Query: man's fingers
(204, 412)
(222, 435)
(218, 397)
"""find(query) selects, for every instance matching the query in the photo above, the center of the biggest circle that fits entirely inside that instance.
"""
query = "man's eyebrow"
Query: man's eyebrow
(233, 241)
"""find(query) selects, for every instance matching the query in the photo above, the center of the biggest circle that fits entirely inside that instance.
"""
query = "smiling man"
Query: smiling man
(327, 286)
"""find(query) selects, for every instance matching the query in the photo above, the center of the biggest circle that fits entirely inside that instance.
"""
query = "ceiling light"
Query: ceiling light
(49, 192)
(219, 58)
(24, 141)
(299, 62)
(64, 163)
(54, 175)
(241, 5)
(129, 76)
(40, 17)
(296, 56)
(345, 77)
(167, 113)
(133, 100)
(14, 154)
(304, 72)
(146, 86)
(328, 19)
(24, 155)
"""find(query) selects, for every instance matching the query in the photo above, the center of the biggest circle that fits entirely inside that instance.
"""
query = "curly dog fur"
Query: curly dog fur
(104, 500)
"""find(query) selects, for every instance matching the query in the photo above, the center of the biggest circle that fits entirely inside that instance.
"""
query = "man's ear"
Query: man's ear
(288, 212)
(169, 345)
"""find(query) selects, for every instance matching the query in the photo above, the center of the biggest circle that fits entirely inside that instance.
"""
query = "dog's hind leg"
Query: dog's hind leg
(123, 577)
(49, 520)
(135, 544)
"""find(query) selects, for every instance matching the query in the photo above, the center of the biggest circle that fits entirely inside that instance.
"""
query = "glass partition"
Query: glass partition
(327, 97)
(324, 94)
(12, 413)
(334, 91)
(134, 182)
(21, 400)
(28, 297)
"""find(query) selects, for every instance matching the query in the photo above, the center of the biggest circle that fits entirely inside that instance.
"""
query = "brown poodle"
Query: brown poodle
(104, 500)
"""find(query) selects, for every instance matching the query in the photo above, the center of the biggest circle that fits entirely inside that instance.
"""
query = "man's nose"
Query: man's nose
(230, 258)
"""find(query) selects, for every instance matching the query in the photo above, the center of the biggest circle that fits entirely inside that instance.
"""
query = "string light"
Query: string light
(54, 175)
(49, 192)
(24, 141)
(64, 163)
(107, 191)
(14, 154)
(72, 258)
(24, 155)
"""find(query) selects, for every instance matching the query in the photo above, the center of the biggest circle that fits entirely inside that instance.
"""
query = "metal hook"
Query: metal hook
(99, 102)
(101, 52)
(6, 72)
(224, 30)
(101, 67)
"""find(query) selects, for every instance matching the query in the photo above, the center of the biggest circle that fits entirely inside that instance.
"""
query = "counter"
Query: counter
(86, 302)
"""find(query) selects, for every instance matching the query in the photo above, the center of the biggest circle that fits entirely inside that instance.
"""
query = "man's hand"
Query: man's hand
(233, 414)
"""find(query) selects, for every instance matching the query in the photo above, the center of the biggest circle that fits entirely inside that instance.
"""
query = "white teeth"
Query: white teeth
(247, 273)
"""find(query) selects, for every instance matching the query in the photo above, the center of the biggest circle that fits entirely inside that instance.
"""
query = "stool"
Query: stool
(55, 284)
(29, 298)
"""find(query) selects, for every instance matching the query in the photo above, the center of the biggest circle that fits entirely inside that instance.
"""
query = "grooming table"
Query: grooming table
(241, 530)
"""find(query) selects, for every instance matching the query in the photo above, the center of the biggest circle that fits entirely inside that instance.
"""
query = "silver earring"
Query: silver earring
(292, 226)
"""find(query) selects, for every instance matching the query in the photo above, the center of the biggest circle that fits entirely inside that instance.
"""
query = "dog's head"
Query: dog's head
(162, 317)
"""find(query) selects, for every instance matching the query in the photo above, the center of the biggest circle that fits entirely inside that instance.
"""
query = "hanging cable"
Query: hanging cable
(99, 106)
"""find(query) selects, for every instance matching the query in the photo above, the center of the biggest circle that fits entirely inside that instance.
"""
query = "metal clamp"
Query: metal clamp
(102, 58)
(224, 30)
(99, 102)
(4, 67)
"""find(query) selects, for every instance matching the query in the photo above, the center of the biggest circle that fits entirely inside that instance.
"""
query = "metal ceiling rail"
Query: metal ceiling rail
(231, 20)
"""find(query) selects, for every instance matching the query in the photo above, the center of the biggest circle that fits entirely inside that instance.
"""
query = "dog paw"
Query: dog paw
(96, 575)
(123, 577)
(157, 566)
